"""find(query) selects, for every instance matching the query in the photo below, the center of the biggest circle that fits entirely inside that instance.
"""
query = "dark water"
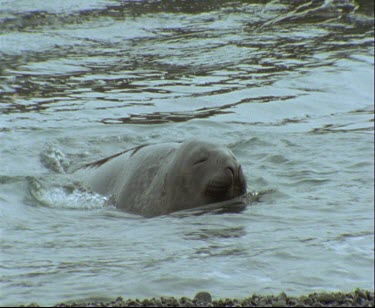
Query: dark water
(287, 85)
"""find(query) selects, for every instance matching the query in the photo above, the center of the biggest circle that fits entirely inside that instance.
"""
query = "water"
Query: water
(288, 86)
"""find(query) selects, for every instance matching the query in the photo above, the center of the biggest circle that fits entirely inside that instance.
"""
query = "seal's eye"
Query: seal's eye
(200, 160)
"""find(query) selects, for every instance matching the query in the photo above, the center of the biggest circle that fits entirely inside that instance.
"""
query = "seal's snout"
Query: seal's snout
(227, 184)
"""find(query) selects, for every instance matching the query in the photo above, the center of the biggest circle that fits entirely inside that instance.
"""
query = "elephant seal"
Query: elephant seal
(152, 180)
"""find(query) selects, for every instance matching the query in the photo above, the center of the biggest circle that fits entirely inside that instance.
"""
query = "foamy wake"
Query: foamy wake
(65, 196)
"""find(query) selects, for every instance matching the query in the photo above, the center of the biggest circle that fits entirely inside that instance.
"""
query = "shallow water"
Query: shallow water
(288, 86)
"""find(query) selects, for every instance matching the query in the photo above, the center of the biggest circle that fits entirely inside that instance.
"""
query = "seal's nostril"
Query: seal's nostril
(231, 171)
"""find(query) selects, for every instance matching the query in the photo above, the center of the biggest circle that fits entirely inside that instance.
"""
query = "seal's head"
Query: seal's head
(205, 173)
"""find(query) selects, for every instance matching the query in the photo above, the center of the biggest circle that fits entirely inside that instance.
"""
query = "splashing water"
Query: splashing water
(68, 197)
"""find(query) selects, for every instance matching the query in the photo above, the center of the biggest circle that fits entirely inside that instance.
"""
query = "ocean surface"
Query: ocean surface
(288, 86)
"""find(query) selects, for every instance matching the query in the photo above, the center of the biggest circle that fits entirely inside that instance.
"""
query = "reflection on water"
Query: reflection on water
(181, 116)
(287, 85)
(114, 67)
(204, 234)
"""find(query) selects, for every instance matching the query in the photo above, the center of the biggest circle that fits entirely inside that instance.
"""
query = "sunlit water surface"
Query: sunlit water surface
(287, 85)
